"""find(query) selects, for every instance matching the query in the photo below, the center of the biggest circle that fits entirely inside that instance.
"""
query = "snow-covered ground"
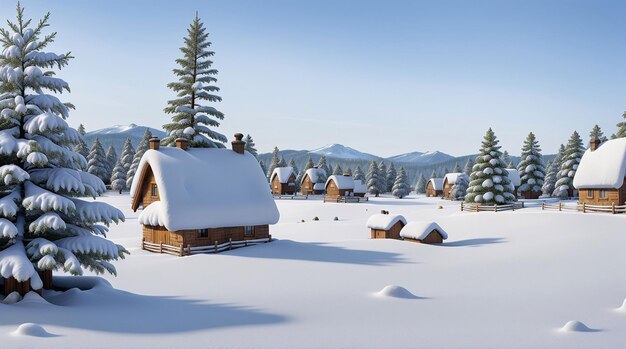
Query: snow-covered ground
(502, 280)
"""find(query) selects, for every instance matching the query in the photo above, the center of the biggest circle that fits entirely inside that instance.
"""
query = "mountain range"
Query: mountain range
(116, 135)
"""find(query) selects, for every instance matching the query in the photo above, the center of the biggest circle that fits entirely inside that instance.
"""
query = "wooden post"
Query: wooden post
(269, 239)
(188, 249)
(560, 206)
(161, 247)
(543, 205)
(143, 245)
(584, 208)
(522, 204)
(613, 208)
(461, 206)
(216, 246)
(495, 208)
(230, 244)
(182, 250)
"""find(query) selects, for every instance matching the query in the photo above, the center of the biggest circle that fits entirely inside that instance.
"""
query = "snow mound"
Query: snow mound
(12, 298)
(33, 298)
(393, 291)
(32, 330)
(623, 307)
(576, 326)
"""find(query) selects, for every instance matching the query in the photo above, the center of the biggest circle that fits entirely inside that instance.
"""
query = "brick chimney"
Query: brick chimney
(155, 142)
(239, 146)
(594, 143)
(182, 143)
(346, 174)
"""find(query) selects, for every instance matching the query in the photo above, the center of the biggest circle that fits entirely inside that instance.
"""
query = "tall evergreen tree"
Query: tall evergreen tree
(433, 174)
(81, 148)
(81, 130)
(309, 164)
(292, 164)
(400, 186)
(142, 147)
(322, 164)
(548, 185)
(457, 168)
(420, 185)
(530, 167)
(621, 132)
(43, 225)
(262, 165)
(275, 162)
(391, 177)
(118, 178)
(250, 146)
(372, 179)
(358, 174)
(192, 119)
(282, 162)
(574, 150)
(459, 189)
(506, 158)
(97, 162)
(338, 171)
(596, 132)
(468, 167)
(348, 171)
(489, 181)
(111, 155)
(382, 177)
(128, 152)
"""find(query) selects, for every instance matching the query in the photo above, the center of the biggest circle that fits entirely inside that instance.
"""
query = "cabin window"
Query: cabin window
(155, 190)
(603, 194)
(590, 193)
(248, 230)
(203, 233)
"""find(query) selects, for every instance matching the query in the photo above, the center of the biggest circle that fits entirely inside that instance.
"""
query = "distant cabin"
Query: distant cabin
(423, 232)
(283, 181)
(600, 174)
(448, 182)
(434, 187)
(386, 226)
(309, 184)
(360, 188)
(516, 181)
(201, 197)
(339, 186)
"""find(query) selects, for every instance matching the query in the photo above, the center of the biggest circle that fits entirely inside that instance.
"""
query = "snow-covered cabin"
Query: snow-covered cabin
(339, 186)
(360, 188)
(423, 232)
(516, 181)
(448, 182)
(434, 187)
(283, 181)
(310, 181)
(386, 226)
(199, 196)
(600, 174)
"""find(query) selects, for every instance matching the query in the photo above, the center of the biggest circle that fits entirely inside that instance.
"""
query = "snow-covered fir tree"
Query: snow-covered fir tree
(530, 167)
(621, 132)
(457, 168)
(192, 118)
(548, 185)
(81, 148)
(467, 169)
(142, 147)
(44, 224)
(400, 186)
(309, 164)
(574, 150)
(348, 171)
(250, 146)
(282, 162)
(372, 179)
(338, 171)
(81, 130)
(420, 185)
(111, 155)
(97, 162)
(459, 189)
(433, 174)
(489, 181)
(274, 162)
(391, 177)
(382, 177)
(596, 132)
(262, 165)
(292, 164)
(506, 158)
(358, 174)
(128, 152)
(118, 178)
(323, 165)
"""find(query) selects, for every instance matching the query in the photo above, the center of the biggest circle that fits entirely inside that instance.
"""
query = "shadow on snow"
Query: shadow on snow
(474, 242)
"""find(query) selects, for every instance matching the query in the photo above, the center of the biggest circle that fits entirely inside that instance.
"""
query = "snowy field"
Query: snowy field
(502, 280)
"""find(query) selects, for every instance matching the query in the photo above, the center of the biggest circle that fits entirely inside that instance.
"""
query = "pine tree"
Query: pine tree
(337, 171)
(489, 181)
(81, 148)
(309, 164)
(143, 146)
(282, 162)
(596, 132)
(97, 161)
(358, 174)
(468, 166)
(391, 177)
(273, 163)
(128, 152)
(459, 189)
(621, 132)
(250, 146)
(571, 158)
(118, 178)
(111, 155)
(372, 179)
(262, 165)
(506, 158)
(348, 171)
(322, 164)
(191, 119)
(43, 225)
(433, 174)
(550, 179)
(530, 167)
(81, 130)
(294, 167)
(457, 168)
(382, 178)
(400, 186)
(420, 186)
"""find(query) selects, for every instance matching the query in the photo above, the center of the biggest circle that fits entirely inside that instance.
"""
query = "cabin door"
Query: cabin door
(380, 234)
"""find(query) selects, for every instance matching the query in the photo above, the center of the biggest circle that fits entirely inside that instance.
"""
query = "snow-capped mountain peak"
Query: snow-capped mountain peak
(342, 152)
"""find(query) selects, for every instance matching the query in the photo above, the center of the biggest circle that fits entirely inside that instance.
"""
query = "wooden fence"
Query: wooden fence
(345, 199)
(291, 197)
(613, 209)
(187, 251)
(491, 208)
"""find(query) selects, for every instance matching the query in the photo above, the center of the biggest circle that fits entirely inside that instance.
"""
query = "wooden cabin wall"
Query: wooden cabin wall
(192, 237)
(146, 189)
(612, 196)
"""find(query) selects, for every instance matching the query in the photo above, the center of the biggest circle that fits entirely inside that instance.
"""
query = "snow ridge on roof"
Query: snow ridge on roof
(283, 174)
(437, 183)
(384, 221)
(206, 188)
(452, 177)
(342, 182)
(314, 173)
(603, 168)
(419, 230)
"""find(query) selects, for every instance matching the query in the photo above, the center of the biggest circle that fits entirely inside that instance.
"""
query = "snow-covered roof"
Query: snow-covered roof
(603, 168)
(419, 230)
(283, 174)
(437, 183)
(516, 181)
(206, 188)
(384, 221)
(314, 174)
(359, 186)
(318, 186)
(342, 182)
(452, 177)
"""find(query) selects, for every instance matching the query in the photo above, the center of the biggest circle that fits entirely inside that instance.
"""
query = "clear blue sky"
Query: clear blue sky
(385, 77)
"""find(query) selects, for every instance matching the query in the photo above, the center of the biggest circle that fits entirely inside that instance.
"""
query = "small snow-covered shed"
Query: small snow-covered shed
(434, 187)
(313, 181)
(386, 226)
(360, 188)
(600, 174)
(516, 181)
(202, 196)
(339, 185)
(283, 181)
(423, 232)
(448, 182)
